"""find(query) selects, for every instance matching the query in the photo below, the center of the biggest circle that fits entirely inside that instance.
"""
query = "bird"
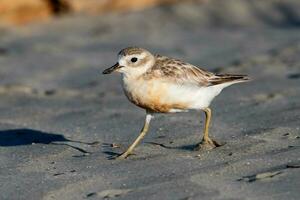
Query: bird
(161, 84)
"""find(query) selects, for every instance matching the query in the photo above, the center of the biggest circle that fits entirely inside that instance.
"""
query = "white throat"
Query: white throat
(135, 72)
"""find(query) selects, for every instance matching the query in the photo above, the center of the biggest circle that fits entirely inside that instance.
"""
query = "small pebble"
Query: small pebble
(91, 194)
(57, 174)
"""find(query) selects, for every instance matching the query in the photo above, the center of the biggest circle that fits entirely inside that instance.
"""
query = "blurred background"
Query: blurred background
(52, 53)
(55, 35)
(240, 12)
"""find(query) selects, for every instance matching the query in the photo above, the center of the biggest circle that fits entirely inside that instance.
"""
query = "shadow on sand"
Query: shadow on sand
(16, 137)
(190, 147)
(111, 154)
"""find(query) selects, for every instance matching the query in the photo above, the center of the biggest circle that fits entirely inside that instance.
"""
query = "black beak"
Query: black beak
(112, 69)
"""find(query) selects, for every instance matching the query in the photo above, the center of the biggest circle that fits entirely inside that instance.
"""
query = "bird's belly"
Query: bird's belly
(160, 96)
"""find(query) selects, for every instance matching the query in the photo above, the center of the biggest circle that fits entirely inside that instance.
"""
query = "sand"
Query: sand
(59, 115)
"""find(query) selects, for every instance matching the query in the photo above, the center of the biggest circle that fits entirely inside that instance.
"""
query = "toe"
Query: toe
(216, 144)
(207, 144)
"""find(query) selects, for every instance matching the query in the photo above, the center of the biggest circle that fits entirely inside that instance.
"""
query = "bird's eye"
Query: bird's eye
(134, 59)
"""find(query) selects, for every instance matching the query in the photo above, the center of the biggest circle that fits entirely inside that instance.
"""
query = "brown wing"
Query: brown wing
(180, 72)
(184, 73)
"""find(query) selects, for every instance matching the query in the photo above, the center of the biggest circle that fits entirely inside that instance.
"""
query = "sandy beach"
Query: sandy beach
(61, 119)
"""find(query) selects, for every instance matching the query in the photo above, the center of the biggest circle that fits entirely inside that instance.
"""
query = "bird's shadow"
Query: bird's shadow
(190, 147)
(18, 137)
(111, 151)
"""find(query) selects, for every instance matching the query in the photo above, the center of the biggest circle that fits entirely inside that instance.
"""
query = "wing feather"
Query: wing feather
(179, 72)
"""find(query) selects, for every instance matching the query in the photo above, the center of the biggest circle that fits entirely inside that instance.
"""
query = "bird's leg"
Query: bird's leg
(207, 142)
(139, 138)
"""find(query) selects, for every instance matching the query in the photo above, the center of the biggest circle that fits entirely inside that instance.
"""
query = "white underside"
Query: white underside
(196, 97)
(193, 96)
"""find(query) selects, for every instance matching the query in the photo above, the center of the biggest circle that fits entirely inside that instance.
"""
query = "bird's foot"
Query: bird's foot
(207, 144)
(123, 156)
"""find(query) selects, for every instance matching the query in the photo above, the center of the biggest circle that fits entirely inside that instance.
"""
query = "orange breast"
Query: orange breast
(152, 96)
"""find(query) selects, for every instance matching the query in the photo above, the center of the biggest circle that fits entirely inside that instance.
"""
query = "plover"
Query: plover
(160, 84)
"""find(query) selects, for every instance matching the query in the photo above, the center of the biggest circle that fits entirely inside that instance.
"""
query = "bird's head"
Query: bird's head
(132, 61)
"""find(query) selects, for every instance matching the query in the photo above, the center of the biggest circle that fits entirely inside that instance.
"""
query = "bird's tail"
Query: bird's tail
(228, 78)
